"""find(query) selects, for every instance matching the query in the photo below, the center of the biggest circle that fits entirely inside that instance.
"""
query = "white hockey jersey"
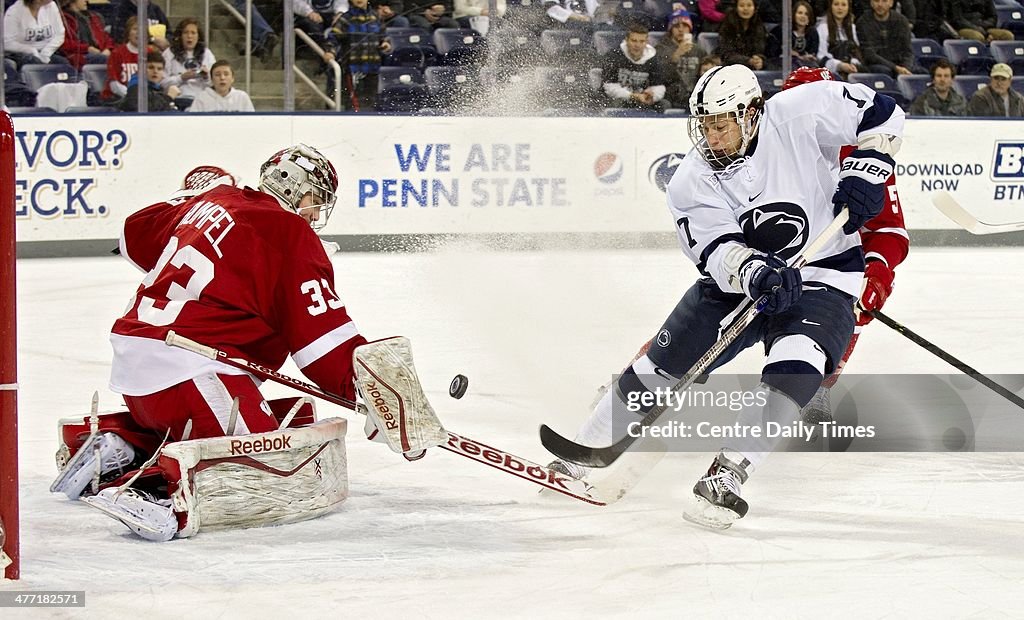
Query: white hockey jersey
(780, 197)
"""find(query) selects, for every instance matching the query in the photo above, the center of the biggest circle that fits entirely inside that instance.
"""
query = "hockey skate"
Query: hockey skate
(819, 410)
(145, 515)
(115, 454)
(572, 470)
(717, 501)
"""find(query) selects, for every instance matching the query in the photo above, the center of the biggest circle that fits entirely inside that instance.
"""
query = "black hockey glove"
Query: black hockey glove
(766, 274)
(861, 188)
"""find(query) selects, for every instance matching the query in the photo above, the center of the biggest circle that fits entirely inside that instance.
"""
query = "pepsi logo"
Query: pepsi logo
(608, 168)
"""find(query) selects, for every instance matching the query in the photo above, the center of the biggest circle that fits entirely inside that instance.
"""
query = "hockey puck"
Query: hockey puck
(458, 386)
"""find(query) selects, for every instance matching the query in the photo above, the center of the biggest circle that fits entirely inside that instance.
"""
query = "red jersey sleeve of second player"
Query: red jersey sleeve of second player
(885, 237)
(313, 319)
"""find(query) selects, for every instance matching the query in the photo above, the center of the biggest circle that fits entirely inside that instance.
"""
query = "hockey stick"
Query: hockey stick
(946, 357)
(589, 456)
(949, 207)
(463, 446)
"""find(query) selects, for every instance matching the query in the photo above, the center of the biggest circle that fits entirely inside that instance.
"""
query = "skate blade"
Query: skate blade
(63, 481)
(706, 514)
(130, 521)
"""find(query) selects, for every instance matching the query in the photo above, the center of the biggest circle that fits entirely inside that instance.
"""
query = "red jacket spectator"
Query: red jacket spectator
(76, 41)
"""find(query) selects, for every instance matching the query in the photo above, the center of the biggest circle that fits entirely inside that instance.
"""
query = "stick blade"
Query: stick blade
(569, 450)
(948, 206)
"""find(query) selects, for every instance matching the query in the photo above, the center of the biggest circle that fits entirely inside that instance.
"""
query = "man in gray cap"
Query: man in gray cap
(997, 99)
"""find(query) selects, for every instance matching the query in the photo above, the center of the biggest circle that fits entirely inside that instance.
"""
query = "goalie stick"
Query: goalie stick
(949, 207)
(459, 444)
(589, 456)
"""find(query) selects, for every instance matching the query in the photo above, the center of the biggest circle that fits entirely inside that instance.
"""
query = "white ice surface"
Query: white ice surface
(828, 535)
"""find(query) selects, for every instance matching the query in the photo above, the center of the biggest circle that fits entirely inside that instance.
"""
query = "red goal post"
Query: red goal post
(8, 358)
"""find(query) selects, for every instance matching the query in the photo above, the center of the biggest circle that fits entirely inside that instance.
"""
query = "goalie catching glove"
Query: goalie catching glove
(394, 399)
(861, 188)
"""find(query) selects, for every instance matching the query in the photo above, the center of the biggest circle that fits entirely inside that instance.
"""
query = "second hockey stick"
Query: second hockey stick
(590, 456)
(952, 209)
(461, 445)
(946, 357)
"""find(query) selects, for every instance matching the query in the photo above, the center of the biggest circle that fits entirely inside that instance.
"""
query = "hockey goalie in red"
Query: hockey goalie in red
(885, 242)
(242, 270)
(232, 267)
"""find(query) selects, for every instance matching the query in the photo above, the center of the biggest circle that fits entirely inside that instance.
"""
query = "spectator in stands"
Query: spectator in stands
(222, 97)
(160, 98)
(86, 41)
(932, 21)
(977, 20)
(264, 39)
(316, 17)
(158, 25)
(885, 38)
(357, 42)
(997, 99)
(708, 63)
(188, 59)
(430, 14)
(390, 13)
(33, 32)
(838, 46)
(857, 7)
(680, 59)
(466, 10)
(632, 75)
(939, 99)
(123, 63)
(572, 13)
(712, 12)
(804, 42)
(742, 37)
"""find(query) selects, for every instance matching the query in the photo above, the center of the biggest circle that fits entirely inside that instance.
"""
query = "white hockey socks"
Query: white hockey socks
(387, 381)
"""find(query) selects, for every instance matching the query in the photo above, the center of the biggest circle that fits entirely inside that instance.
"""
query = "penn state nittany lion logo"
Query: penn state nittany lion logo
(664, 338)
(780, 228)
(661, 170)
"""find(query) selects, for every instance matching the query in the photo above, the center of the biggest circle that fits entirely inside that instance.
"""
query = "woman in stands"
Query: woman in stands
(188, 60)
(33, 32)
(804, 43)
(838, 47)
(86, 41)
(741, 37)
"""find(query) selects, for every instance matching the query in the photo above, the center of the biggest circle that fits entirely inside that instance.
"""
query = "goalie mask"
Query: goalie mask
(725, 109)
(295, 172)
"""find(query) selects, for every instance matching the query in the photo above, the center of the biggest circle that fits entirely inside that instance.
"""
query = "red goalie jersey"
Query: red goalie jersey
(229, 268)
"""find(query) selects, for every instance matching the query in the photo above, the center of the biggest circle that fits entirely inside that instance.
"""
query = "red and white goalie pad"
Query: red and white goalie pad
(386, 379)
(284, 476)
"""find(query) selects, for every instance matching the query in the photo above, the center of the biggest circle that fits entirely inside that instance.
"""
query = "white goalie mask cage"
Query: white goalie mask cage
(730, 91)
(293, 172)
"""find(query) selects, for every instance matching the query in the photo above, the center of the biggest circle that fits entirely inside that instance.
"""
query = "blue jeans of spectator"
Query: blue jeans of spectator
(260, 27)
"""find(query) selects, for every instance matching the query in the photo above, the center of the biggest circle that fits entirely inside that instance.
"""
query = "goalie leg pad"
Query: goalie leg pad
(255, 480)
(386, 379)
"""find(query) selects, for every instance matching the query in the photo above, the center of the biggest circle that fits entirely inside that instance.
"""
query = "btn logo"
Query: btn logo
(1009, 161)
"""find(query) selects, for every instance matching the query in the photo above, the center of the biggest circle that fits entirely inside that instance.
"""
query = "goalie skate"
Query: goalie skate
(114, 454)
(717, 503)
(148, 517)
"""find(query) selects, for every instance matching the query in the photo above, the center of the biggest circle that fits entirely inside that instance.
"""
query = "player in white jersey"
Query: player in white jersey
(762, 180)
